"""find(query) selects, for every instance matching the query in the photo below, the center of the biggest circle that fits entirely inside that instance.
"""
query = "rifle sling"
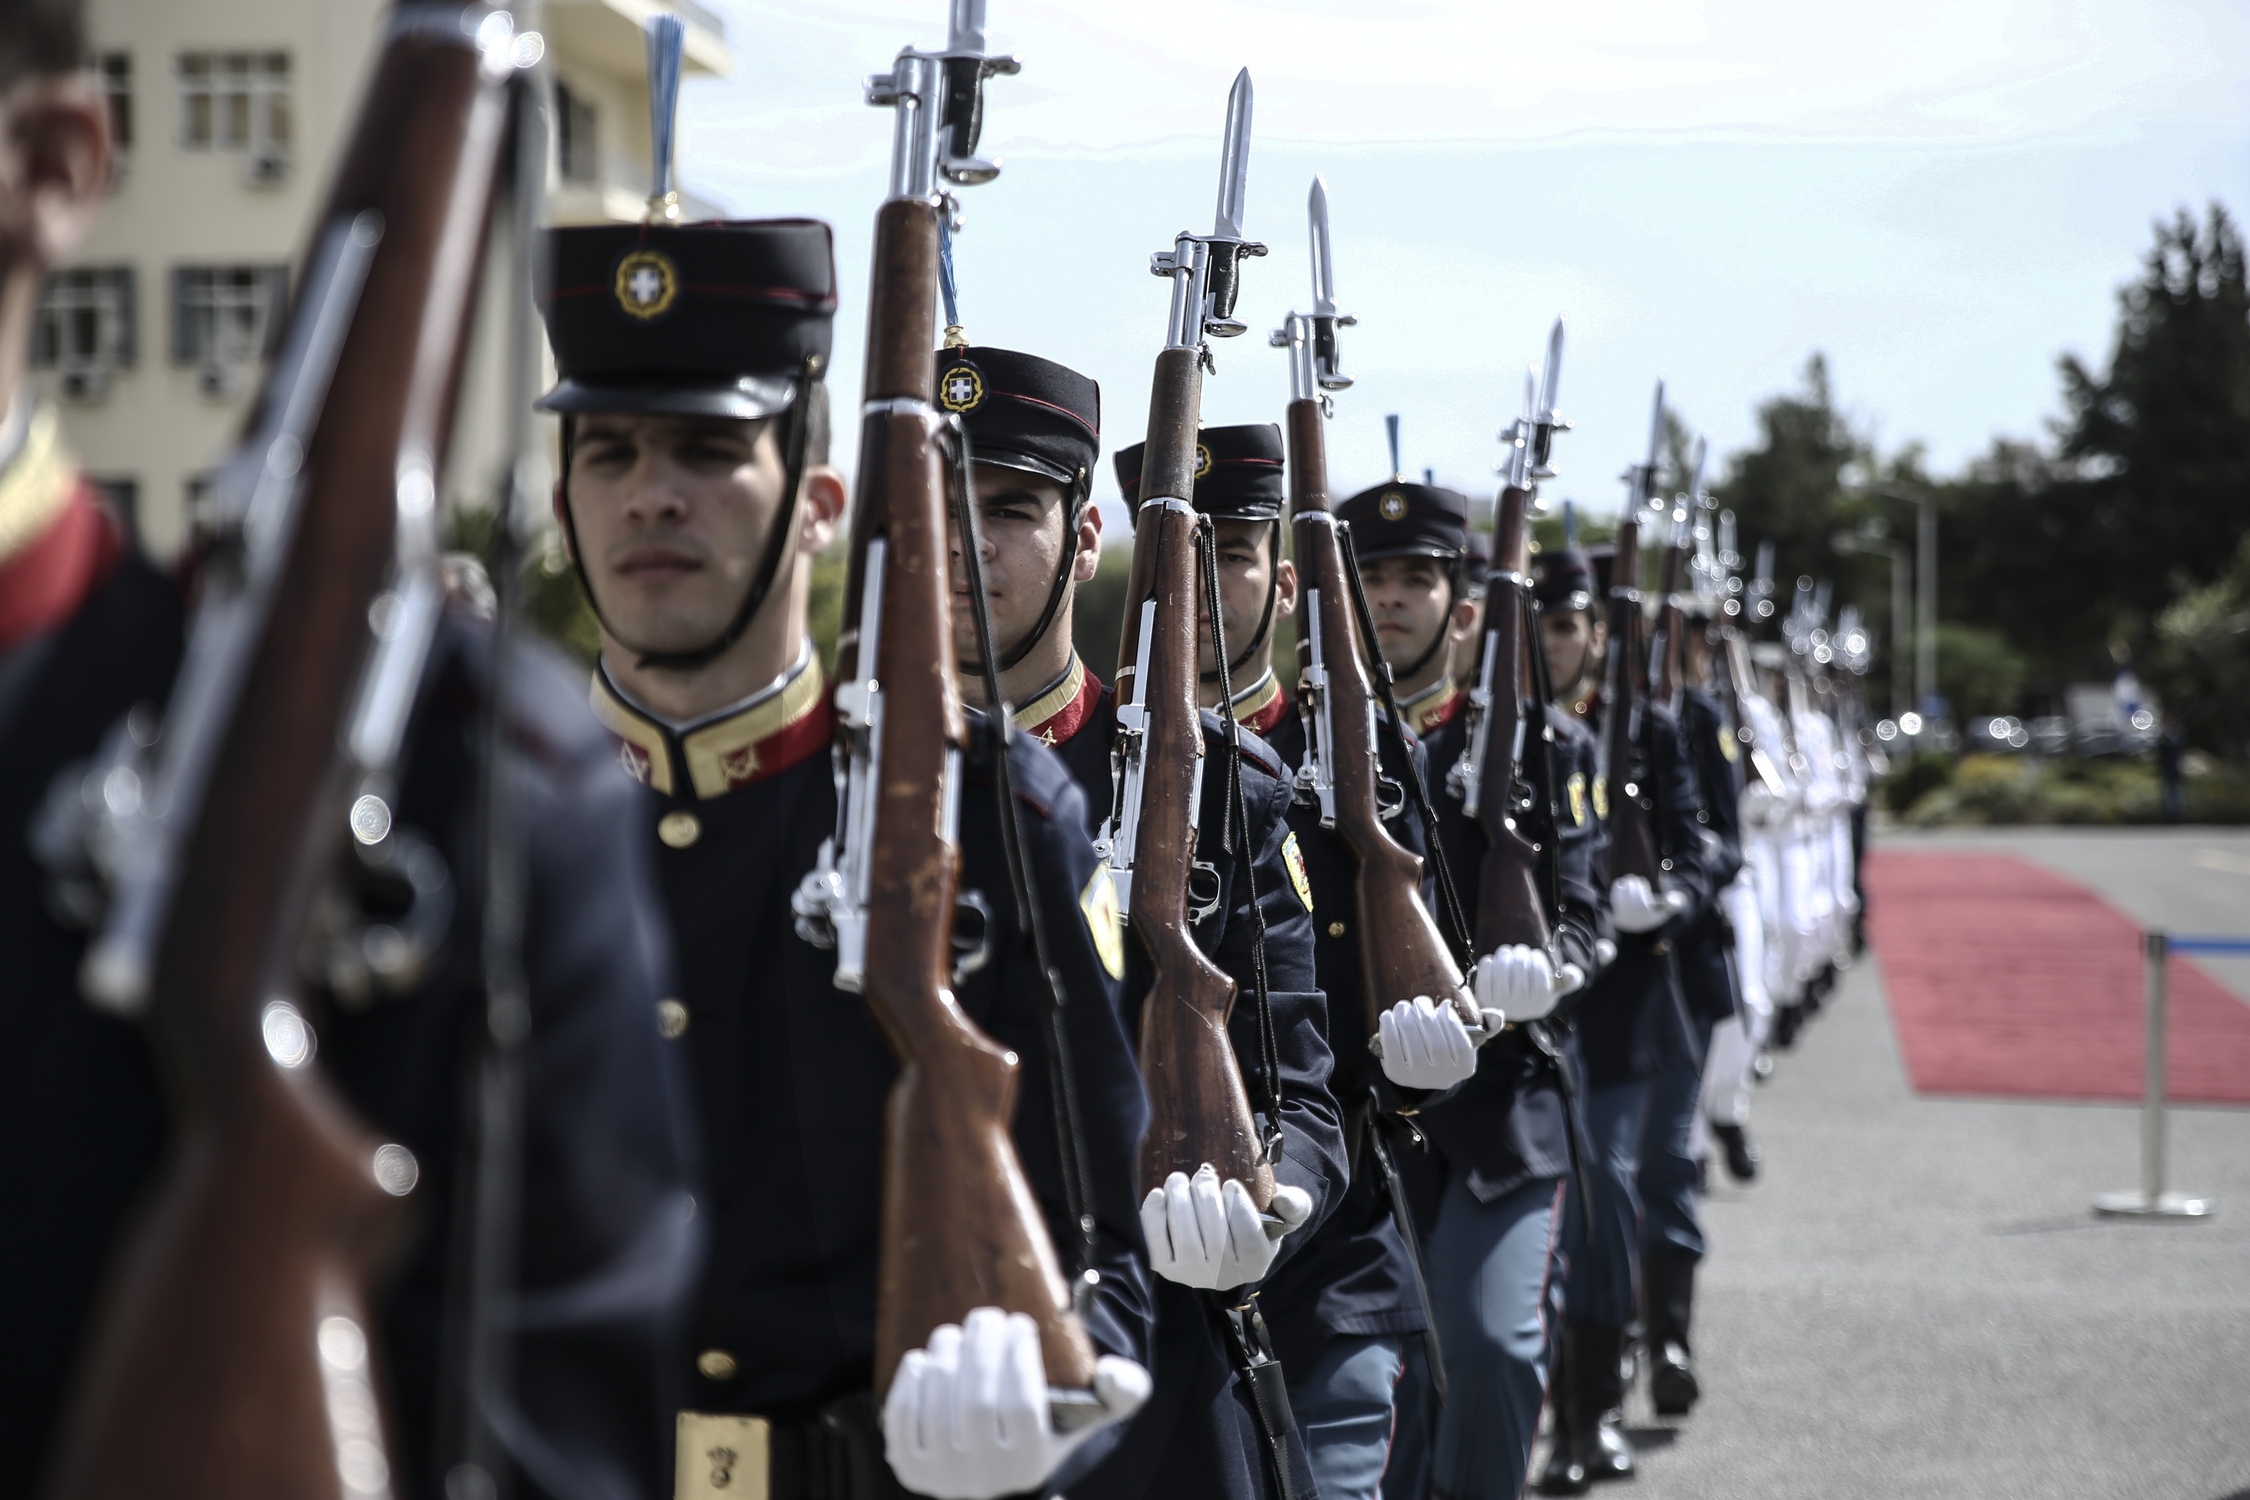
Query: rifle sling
(1368, 1128)
(1250, 1352)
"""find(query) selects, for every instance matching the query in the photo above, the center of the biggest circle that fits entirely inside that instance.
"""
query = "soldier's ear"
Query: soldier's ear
(822, 501)
(58, 132)
(1089, 559)
(1284, 588)
(562, 522)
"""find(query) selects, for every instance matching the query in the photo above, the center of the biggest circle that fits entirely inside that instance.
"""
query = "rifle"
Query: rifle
(1199, 1110)
(1401, 952)
(1632, 802)
(1515, 903)
(1667, 660)
(234, 1357)
(960, 1226)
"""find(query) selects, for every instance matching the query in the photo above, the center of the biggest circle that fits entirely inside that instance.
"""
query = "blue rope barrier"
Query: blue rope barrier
(2235, 945)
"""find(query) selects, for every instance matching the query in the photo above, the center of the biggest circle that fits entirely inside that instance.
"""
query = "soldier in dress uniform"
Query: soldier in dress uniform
(1503, 1138)
(1034, 431)
(90, 641)
(1672, 1235)
(696, 493)
(1630, 1024)
(1344, 1307)
(1410, 540)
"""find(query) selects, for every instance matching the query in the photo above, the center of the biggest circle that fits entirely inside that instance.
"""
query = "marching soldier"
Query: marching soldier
(696, 493)
(1342, 1309)
(1504, 1136)
(1411, 539)
(90, 642)
(1629, 1025)
(1034, 431)
(1672, 1237)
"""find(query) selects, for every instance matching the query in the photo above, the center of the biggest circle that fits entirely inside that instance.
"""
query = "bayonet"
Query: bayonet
(1327, 359)
(1205, 269)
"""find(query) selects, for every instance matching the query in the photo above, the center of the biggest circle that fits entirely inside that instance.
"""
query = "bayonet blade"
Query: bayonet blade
(1550, 379)
(966, 33)
(1655, 444)
(1695, 479)
(1323, 267)
(1234, 163)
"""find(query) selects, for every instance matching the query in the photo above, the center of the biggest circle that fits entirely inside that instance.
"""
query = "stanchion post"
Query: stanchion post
(2152, 1201)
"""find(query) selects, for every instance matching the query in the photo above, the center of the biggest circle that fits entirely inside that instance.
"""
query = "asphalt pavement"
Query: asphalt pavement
(1915, 1299)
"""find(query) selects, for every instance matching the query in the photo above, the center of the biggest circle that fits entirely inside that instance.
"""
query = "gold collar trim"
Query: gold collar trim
(1427, 708)
(1055, 698)
(36, 484)
(713, 756)
(1258, 696)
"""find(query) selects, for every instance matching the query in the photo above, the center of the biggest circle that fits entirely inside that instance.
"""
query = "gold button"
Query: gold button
(671, 1017)
(1335, 929)
(716, 1364)
(679, 829)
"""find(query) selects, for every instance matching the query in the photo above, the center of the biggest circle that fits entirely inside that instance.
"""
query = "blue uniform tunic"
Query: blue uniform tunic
(1197, 1435)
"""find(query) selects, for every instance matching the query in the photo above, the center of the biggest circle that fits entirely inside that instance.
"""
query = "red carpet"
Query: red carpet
(2006, 978)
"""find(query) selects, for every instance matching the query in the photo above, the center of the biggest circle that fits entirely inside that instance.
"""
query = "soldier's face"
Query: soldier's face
(1247, 569)
(673, 516)
(1412, 601)
(1574, 640)
(1022, 518)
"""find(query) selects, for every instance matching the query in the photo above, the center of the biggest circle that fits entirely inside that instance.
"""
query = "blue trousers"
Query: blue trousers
(1491, 1266)
(1605, 1270)
(1345, 1407)
(1667, 1175)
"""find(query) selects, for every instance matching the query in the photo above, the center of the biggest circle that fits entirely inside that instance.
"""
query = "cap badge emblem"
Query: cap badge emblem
(647, 284)
(1393, 506)
(1202, 460)
(961, 388)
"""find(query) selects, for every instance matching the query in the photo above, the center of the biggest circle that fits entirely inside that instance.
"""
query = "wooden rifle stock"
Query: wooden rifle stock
(1666, 671)
(1511, 908)
(233, 1358)
(1632, 841)
(1401, 952)
(1199, 1109)
(961, 1228)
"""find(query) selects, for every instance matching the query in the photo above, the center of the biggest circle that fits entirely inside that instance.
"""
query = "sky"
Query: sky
(1941, 196)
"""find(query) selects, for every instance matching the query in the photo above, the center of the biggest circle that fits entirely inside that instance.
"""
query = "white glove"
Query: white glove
(1636, 908)
(1423, 1045)
(1205, 1233)
(967, 1417)
(1521, 984)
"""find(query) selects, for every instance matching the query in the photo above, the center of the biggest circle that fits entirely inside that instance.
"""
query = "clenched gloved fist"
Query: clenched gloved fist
(1634, 907)
(967, 1417)
(1205, 1233)
(1423, 1044)
(1522, 984)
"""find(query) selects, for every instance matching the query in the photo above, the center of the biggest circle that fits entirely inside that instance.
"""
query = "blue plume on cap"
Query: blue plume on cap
(1391, 423)
(667, 38)
(1570, 523)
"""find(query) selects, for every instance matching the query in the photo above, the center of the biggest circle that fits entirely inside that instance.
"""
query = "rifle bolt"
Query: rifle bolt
(678, 830)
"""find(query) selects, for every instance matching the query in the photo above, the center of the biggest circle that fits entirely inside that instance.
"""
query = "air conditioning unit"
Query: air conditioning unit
(219, 381)
(265, 168)
(88, 384)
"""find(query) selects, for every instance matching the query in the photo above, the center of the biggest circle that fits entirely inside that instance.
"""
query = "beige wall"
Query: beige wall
(173, 206)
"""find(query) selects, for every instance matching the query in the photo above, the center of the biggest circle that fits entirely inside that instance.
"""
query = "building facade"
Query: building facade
(230, 116)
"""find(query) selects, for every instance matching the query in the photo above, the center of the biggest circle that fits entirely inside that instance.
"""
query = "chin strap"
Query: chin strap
(1265, 621)
(795, 437)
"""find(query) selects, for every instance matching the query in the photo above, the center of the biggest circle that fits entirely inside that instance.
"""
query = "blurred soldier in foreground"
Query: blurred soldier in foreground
(90, 639)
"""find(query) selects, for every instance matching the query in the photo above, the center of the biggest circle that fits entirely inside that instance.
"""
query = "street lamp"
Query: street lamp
(1872, 539)
(1925, 588)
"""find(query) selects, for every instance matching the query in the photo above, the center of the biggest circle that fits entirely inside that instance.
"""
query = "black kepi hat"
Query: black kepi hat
(1024, 412)
(723, 319)
(1238, 472)
(1400, 518)
(1564, 578)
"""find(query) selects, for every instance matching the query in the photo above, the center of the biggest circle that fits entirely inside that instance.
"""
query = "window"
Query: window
(116, 70)
(123, 498)
(85, 326)
(227, 317)
(576, 151)
(235, 101)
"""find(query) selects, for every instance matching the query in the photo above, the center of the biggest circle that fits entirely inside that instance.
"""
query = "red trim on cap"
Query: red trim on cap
(798, 295)
(1092, 432)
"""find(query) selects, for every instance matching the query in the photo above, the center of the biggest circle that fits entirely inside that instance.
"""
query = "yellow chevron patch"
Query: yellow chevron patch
(1577, 788)
(1294, 858)
(1104, 922)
